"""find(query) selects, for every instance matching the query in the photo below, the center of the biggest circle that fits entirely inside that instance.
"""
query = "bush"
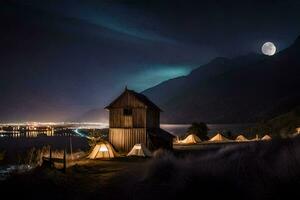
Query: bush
(199, 129)
(97, 135)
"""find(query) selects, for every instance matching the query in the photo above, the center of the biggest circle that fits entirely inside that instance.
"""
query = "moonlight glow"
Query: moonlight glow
(268, 49)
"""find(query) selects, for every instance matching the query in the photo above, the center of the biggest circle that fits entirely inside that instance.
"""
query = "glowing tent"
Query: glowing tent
(219, 138)
(241, 138)
(266, 137)
(190, 139)
(140, 150)
(295, 134)
(103, 150)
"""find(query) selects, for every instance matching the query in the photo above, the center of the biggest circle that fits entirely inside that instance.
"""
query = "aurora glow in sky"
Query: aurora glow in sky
(62, 58)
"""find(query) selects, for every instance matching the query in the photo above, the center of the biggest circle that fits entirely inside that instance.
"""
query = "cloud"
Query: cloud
(114, 17)
(152, 75)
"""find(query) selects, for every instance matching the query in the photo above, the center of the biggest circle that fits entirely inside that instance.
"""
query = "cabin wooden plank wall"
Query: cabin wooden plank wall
(124, 139)
(152, 119)
(118, 120)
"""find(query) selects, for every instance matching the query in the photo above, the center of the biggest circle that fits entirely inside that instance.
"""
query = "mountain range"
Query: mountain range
(247, 88)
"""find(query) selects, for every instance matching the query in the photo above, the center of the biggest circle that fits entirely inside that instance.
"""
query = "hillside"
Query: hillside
(243, 89)
(282, 126)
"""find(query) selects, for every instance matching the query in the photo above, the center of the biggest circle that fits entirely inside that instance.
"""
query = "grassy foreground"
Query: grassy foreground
(254, 170)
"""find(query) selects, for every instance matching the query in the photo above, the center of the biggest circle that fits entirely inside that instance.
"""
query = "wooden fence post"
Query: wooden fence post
(65, 161)
(50, 157)
(71, 148)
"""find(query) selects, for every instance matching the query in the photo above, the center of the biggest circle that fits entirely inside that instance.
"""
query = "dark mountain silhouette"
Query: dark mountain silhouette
(284, 125)
(244, 89)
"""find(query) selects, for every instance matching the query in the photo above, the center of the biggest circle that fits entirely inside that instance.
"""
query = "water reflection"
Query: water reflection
(175, 129)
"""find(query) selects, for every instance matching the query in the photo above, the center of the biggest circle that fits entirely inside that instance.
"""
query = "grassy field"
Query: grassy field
(254, 170)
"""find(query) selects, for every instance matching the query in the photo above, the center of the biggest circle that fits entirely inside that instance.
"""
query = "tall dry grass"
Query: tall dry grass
(256, 170)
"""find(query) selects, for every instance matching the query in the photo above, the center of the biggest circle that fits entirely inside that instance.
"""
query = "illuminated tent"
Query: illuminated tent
(241, 138)
(190, 139)
(103, 150)
(266, 137)
(219, 138)
(295, 134)
(140, 150)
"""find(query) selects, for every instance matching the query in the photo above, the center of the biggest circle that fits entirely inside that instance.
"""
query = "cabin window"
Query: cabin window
(127, 111)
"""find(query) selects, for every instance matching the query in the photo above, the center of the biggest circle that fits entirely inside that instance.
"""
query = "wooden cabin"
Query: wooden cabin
(134, 119)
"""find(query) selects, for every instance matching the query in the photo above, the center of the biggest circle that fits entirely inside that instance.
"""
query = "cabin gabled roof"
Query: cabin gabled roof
(160, 133)
(142, 98)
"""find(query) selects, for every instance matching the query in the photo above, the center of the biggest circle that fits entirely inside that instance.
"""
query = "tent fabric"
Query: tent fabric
(140, 150)
(219, 138)
(256, 138)
(241, 138)
(266, 137)
(190, 139)
(103, 150)
(295, 134)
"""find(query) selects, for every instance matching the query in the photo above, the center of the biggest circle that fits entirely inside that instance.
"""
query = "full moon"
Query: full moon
(268, 48)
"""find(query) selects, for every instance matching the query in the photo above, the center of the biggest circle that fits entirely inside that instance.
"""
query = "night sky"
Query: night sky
(60, 59)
